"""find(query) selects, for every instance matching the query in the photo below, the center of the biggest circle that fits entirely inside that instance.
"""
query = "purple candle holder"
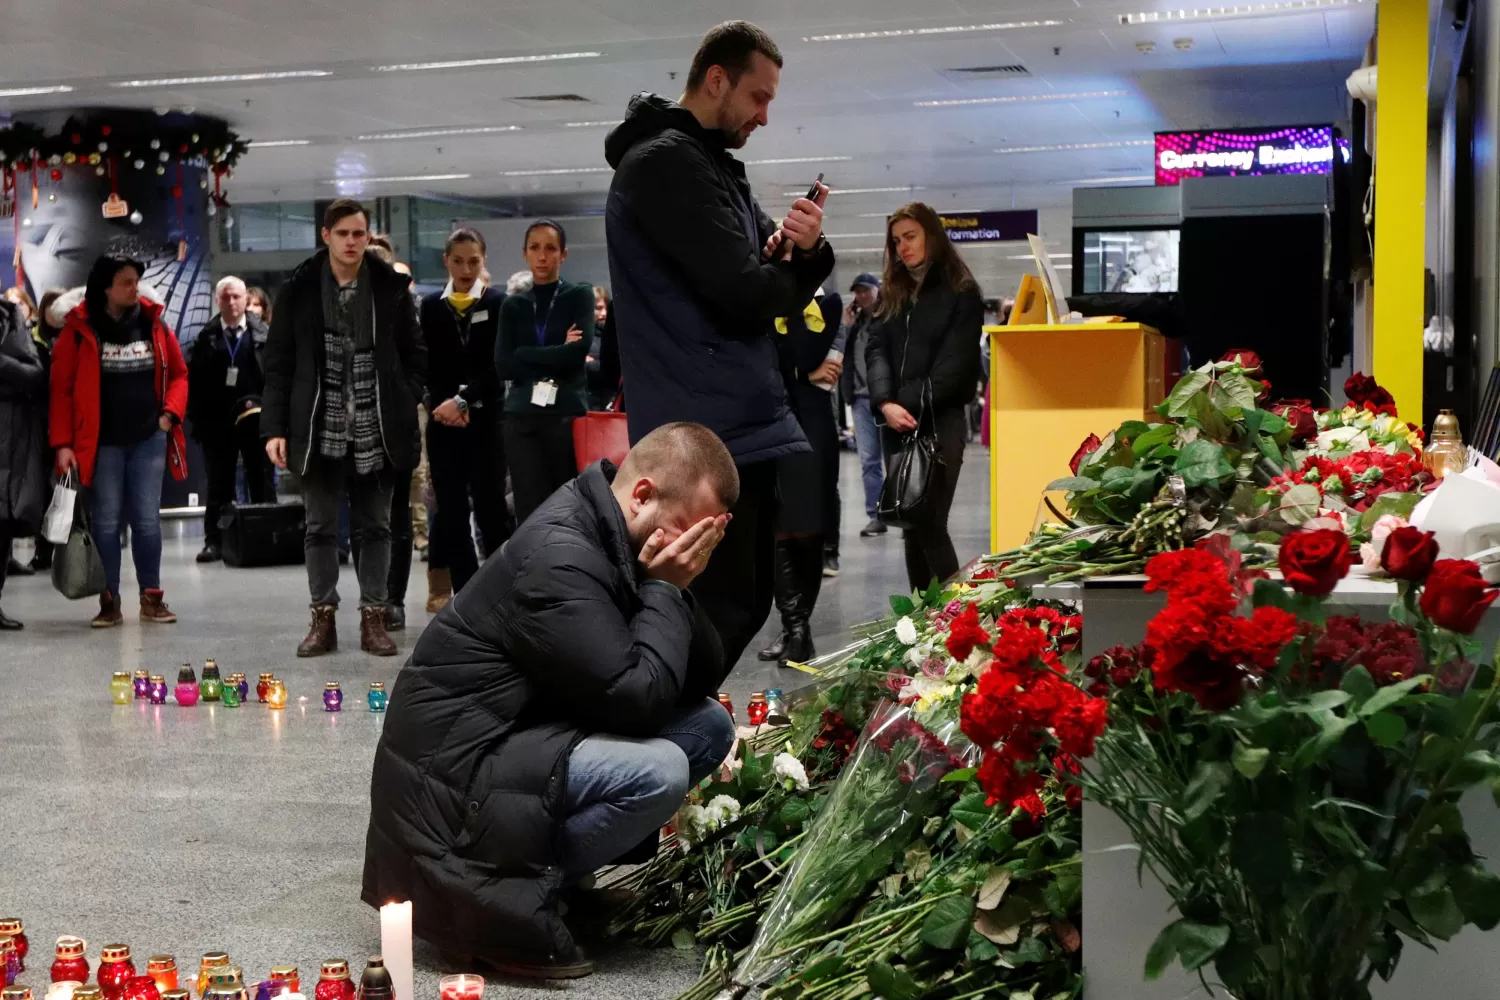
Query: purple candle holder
(333, 697)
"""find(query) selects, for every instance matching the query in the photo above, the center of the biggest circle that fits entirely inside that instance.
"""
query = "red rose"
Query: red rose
(1409, 553)
(1248, 360)
(1090, 445)
(1358, 387)
(1300, 415)
(1313, 562)
(1456, 596)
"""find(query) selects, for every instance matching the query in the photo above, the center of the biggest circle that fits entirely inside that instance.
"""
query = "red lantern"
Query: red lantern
(56, 174)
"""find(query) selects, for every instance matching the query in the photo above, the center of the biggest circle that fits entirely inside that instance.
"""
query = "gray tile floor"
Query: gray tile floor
(187, 831)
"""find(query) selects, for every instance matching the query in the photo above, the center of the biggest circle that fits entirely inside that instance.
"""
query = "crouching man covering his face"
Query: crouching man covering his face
(555, 714)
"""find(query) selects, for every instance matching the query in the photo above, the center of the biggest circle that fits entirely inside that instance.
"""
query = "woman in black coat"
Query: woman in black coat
(24, 455)
(923, 365)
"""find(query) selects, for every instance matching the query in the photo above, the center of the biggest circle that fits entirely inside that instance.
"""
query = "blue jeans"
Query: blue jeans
(871, 464)
(621, 789)
(127, 482)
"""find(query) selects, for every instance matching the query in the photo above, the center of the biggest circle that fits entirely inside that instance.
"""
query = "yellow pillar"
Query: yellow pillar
(1400, 200)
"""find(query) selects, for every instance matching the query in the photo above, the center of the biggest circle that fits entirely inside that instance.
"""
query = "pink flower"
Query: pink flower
(1369, 556)
(1383, 529)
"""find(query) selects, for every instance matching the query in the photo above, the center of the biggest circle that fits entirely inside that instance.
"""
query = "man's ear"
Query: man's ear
(644, 491)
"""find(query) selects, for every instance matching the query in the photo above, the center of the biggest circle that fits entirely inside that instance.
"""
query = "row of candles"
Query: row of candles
(231, 692)
(764, 706)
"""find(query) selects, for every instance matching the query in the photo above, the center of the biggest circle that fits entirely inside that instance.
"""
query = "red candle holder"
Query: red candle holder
(70, 966)
(139, 988)
(115, 970)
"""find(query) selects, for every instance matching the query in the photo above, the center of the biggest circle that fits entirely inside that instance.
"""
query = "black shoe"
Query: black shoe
(831, 564)
(16, 568)
(395, 618)
(573, 966)
(210, 554)
(799, 645)
(773, 652)
(343, 558)
(8, 624)
(40, 565)
(872, 529)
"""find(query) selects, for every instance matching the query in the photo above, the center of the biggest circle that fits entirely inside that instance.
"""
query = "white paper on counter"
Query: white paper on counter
(1463, 513)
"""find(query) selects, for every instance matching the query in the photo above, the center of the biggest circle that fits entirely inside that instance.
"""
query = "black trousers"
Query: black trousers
(6, 538)
(399, 574)
(929, 548)
(222, 455)
(539, 449)
(736, 588)
(467, 467)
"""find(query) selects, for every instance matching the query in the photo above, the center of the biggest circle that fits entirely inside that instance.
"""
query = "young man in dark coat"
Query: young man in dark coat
(345, 369)
(226, 378)
(700, 273)
(556, 713)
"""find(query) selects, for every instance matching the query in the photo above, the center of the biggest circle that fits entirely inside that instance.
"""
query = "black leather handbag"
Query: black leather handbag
(904, 499)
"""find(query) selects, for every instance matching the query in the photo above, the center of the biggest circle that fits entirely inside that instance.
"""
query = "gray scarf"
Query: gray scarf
(352, 413)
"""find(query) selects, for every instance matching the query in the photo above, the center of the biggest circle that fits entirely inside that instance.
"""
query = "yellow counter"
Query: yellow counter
(1050, 388)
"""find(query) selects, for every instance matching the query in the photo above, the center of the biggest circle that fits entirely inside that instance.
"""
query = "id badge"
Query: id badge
(480, 316)
(231, 376)
(543, 393)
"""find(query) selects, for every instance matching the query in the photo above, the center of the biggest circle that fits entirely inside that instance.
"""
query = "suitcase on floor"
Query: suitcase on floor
(263, 534)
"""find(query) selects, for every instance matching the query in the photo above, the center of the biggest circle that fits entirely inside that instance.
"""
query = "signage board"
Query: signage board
(990, 227)
(1295, 149)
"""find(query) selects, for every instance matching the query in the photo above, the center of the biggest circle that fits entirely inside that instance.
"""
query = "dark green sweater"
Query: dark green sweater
(523, 362)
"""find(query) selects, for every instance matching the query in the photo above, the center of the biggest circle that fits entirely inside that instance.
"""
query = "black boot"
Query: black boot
(806, 558)
(786, 600)
(9, 624)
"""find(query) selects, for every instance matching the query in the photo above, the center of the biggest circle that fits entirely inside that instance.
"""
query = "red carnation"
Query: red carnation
(965, 633)
(1090, 445)
(1456, 596)
(1313, 562)
(1299, 413)
(1409, 553)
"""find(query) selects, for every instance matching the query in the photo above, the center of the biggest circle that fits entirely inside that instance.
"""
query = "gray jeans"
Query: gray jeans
(370, 522)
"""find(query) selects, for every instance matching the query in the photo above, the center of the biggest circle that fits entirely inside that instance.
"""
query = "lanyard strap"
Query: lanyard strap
(234, 349)
(542, 318)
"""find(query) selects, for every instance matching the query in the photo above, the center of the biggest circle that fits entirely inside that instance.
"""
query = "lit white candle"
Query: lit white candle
(395, 945)
(62, 990)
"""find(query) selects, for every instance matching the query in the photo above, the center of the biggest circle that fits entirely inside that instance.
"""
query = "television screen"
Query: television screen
(1141, 260)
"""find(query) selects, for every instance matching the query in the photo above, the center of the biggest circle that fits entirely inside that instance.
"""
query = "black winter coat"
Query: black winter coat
(294, 362)
(555, 638)
(25, 486)
(212, 405)
(933, 342)
(694, 300)
(453, 360)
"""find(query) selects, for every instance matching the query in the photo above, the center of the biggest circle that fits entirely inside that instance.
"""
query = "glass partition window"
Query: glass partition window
(1130, 260)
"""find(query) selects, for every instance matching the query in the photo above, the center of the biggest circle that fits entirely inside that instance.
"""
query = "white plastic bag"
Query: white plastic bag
(58, 524)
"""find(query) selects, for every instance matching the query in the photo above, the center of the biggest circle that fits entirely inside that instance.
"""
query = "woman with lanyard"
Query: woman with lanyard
(464, 451)
(543, 347)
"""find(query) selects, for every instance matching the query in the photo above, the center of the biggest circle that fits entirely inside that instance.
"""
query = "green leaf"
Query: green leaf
(1074, 484)
(1386, 728)
(1271, 423)
(947, 926)
(1179, 402)
(981, 948)
(1435, 910)
(683, 939)
(1388, 696)
(1269, 594)
(1202, 463)
(1250, 761)
(1301, 504)
(1158, 435)
(1268, 447)
(826, 967)
(1399, 504)
(1210, 778)
(1477, 892)
(1132, 429)
(1359, 684)
(893, 984)
(1235, 962)
(1028, 952)
(1475, 767)
(971, 810)
(963, 774)
(1192, 943)
(902, 605)
(1233, 391)
(795, 812)
(1322, 701)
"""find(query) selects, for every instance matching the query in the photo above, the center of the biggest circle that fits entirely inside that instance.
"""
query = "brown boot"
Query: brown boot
(439, 590)
(154, 609)
(323, 637)
(109, 611)
(372, 637)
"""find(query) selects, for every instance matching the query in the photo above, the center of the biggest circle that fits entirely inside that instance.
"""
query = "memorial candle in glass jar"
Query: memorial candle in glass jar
(463, 986)
(277, 696)
(756, 709)
(139, 683)
(211, 688)
(119, 688)
(186, 691)
(378, 698)
(333, 697)
(16, 992)
(115, 970)
(263, 688)
(15, 929)
(140, 988)
(288, 977)
(10, 961)
(156, 689)
(210, 961)
(333, 981)
(69, 965)
(163, 969)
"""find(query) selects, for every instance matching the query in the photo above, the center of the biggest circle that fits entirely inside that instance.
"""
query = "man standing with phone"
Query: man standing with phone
(700, 274)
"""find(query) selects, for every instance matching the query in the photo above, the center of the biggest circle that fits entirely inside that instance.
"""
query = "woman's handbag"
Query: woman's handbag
(600, 434)
(77, 570)
(904, 497)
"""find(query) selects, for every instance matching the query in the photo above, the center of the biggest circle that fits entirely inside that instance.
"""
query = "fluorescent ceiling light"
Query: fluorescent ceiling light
(554, 171)
(495, 61)
(429, 133)
(1027, 256)
(399, 179)
(608, 124)
(799, 159)
(1238, 10)
(35, 91)
(1062, 267)
(1130, 179)
(273, 143)
(1067, 146)
(1021, 98)
(951, 29)
(182, 81)
(852, 236)
(880, 190)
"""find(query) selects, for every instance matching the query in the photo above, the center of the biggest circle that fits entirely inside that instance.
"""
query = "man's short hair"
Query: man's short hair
(226, 281)
(732, 45)
(679, 456)
(342, 208)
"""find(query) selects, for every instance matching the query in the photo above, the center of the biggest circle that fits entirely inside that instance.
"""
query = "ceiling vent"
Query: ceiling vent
(549, 100)
(966, 73)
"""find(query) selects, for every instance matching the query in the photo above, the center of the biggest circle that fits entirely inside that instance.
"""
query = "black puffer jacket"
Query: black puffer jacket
(694, 300)
(934, 343)
(294, 362)
(553, 639)
(24, 456)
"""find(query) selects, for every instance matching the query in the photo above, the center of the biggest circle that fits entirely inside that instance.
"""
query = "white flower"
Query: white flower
(928, 692)
(789, 768)
(1369, 555)
(722, 810)
(906, 631)
(692, 824)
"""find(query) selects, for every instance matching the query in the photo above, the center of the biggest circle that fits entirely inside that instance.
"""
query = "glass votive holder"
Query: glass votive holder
(156, 690)
(378, 698)
(276, 696)
(119, 688)
(141, 679)
(229, 694)
(462, 986)
(333, 697)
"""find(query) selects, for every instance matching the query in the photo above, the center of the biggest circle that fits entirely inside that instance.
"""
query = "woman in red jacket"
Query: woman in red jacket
(119, 393)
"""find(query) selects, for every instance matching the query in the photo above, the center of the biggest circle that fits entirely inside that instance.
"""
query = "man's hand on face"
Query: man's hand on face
(804, 223)
(681, 561)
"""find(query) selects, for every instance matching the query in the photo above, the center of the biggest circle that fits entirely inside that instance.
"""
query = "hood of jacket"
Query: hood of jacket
(649, 115)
